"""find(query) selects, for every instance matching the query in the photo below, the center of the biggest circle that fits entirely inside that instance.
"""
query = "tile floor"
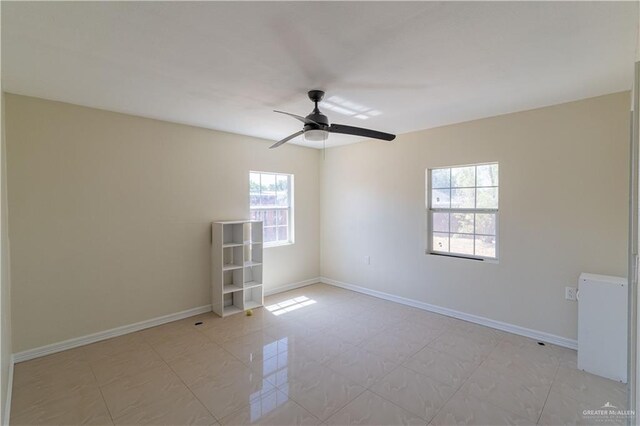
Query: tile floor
(315, 355)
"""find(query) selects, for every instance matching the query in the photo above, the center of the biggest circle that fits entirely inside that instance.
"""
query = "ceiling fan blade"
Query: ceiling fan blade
(287, 139)
(297, 117)
(359, 131)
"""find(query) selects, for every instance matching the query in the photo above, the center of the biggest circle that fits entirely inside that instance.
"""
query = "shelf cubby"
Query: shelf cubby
(253, 253)
(252, 276)
(232, 257)
(233, 303)
(232, 280)
(253, 297)
(233, 233)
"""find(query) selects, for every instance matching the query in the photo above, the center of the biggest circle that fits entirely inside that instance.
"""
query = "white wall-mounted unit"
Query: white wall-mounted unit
(602, 326)
(236, 266)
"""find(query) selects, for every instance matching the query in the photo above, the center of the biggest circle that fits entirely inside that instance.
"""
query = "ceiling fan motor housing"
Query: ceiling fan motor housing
(316, 116)
(319, 118)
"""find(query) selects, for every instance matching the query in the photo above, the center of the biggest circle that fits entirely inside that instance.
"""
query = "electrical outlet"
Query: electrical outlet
(367, 260)
(570, 293)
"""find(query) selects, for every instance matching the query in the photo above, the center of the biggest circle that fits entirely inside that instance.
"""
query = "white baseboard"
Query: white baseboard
(107, 334)
(6, 415)
(499, 325)
(288, 287)
(125, 329)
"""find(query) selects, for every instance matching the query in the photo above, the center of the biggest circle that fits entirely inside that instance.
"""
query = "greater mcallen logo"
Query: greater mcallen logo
(608, 412)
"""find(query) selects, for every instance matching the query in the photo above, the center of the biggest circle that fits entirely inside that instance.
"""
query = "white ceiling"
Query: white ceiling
(226, 66)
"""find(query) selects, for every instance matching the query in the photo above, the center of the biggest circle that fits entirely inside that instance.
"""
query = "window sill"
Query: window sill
(462, 257)
(278, 244)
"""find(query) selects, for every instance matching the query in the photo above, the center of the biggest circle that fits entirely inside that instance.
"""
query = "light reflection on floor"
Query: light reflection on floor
(274, 370)
(290, 305)
(275, 367)
(267, 403)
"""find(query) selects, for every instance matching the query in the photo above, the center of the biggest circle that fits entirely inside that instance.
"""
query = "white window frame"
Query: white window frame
(289, 208)
(431, 210)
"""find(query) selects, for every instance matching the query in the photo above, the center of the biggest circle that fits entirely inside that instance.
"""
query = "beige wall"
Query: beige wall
(563, 210)
(5, 281)
(110, 216)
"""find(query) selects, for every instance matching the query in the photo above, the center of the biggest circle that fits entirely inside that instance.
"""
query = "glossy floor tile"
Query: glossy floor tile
(371, 409)
(342, 358)
(463, 409)
(230, 390)
(274, 408)
(320, 390)
(415, 392)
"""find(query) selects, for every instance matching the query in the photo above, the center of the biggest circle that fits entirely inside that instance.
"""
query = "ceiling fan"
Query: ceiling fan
(316, 125)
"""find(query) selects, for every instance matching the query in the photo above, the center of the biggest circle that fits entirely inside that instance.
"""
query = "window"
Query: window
(462, 204)
(271, 201)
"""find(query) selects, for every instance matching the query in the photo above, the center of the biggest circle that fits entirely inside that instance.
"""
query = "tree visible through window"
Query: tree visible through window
(271, 201)
(463, 210)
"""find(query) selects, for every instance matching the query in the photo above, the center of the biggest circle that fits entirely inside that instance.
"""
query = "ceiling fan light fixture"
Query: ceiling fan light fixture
(315, 135)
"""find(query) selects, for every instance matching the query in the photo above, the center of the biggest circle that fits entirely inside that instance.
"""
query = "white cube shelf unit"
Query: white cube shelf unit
(236, 266)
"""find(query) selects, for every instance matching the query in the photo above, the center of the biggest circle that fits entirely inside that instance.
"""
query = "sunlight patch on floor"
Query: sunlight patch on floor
(290, 305)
